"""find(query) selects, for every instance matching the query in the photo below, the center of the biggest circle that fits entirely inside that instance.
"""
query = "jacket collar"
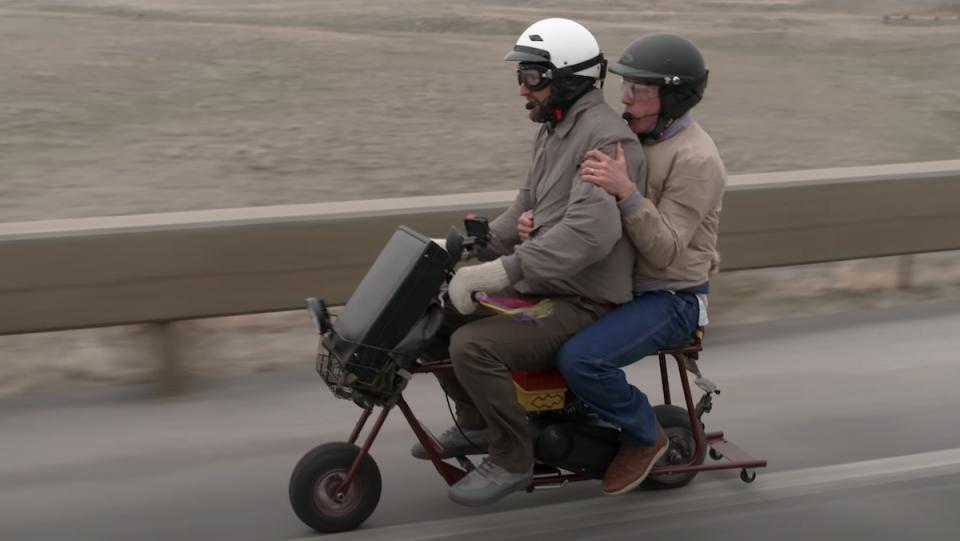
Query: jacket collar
(676, 127)
(593, 97)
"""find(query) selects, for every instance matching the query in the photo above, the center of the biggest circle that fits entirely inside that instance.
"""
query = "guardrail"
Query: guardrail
(65, 274)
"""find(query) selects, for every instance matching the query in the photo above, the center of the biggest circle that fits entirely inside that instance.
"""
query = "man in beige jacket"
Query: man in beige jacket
(673, 226)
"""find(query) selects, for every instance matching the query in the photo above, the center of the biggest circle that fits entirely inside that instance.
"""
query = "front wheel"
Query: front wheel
(676, 423)
(314, 482)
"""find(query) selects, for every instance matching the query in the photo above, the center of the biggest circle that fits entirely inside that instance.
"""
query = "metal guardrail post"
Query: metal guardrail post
(905, 272)
(170, 375)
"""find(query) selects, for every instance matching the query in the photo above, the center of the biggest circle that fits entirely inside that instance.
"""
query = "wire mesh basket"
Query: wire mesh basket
(368, 375)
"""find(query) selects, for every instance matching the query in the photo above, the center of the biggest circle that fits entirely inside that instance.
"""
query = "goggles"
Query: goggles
(634, 90)
(533, 77)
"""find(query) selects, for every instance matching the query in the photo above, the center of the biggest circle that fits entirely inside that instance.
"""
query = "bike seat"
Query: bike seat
(691, 348)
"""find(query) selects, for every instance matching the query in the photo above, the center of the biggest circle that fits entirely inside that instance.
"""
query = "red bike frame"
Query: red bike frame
(732, 456)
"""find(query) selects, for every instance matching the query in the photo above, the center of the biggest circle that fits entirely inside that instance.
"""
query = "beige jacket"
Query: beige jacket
(674, 227)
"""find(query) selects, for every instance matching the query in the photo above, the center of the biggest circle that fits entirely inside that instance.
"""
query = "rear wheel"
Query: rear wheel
(676, 423)
(314, 482)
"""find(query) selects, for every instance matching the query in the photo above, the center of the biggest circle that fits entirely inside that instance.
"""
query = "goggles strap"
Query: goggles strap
(589, 63)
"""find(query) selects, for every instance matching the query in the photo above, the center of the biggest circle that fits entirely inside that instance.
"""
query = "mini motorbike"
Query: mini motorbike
(372, 349)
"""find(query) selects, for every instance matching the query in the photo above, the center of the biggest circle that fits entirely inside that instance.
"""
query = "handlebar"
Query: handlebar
(477, 236)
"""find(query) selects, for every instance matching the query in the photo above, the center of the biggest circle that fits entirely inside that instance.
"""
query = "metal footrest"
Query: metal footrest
(729, 455)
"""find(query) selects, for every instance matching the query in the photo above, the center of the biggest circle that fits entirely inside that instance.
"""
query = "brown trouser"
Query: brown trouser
(484, 349)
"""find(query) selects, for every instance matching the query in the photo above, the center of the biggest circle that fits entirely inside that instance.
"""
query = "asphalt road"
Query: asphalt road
(856, 414)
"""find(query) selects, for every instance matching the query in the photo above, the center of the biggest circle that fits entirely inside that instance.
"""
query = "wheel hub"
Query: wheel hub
(678, 452)
(331, 501)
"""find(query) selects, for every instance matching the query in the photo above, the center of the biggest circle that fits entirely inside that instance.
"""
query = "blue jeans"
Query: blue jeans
(591, 361)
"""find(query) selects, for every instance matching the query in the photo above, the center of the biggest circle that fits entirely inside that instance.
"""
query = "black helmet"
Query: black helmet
(675, 64)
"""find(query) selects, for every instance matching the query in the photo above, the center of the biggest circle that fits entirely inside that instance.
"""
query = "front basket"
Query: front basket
(354, 378)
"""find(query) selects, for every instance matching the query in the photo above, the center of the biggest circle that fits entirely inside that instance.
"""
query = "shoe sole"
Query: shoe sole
(480, 502)
(471, 452)
(634, 484)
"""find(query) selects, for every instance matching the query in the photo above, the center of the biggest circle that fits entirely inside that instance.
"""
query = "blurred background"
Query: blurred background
(117, 107)
(130, 106)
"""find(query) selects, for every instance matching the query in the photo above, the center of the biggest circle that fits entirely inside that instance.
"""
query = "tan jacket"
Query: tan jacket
(674, 228)
(577, 247)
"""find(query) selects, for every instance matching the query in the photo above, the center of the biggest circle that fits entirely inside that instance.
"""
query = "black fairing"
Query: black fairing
(424, 330)
(391, 299)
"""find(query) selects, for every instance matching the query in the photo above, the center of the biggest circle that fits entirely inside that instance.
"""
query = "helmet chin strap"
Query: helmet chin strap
(628, 117)
(646, 135)
(658, 128)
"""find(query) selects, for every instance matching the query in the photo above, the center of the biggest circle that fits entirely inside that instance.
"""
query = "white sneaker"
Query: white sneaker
(488, 483)
(476, 442)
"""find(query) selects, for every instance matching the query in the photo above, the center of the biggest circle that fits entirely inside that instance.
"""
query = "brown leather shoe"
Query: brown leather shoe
(632, 464)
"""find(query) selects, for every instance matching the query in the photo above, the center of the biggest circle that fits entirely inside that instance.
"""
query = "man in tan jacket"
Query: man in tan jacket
(673, 226)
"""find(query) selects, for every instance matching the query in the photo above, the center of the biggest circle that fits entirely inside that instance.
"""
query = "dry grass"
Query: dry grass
(142, 106)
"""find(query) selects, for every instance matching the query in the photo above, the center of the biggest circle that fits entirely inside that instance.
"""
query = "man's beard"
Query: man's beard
(536, 108)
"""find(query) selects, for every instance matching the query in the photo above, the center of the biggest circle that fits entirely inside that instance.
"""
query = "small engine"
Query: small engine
(586, 449)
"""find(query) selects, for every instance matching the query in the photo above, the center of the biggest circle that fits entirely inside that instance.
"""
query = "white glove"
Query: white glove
(441, 242)
(487, 277)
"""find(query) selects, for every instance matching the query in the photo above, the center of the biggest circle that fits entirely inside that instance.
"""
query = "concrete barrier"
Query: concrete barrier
(65, 274)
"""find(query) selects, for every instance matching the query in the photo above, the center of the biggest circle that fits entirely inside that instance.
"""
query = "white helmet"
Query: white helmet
(566, 45)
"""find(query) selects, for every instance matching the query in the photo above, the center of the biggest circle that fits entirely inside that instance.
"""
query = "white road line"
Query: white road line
(701, 496)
